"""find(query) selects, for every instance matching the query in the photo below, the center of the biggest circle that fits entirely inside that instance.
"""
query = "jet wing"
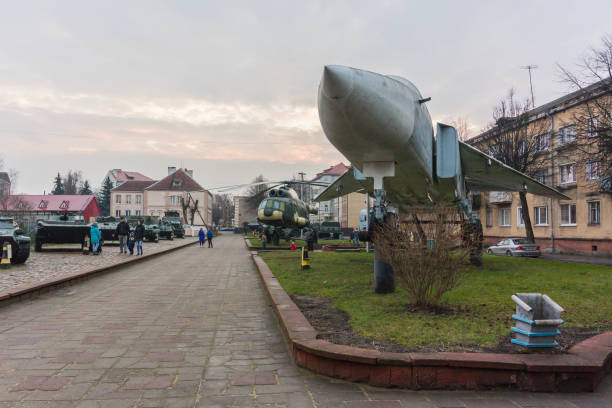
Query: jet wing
(483, 172)
(345, 184)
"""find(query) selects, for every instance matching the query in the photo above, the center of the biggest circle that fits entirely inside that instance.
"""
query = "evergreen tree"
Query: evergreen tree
(104, 196)
(85, 188)
(58, 185)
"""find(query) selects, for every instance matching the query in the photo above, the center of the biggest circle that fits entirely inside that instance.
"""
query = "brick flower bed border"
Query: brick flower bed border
(35, 289)
(581, 369)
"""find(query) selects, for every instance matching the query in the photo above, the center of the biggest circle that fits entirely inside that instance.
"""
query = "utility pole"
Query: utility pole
(302, 174)
(529, 68)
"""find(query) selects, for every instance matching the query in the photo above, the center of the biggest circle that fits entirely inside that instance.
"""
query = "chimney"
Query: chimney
(171, 170)
(190, 172)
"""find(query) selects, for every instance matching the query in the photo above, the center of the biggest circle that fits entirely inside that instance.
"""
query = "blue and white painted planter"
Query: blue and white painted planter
(537, 320)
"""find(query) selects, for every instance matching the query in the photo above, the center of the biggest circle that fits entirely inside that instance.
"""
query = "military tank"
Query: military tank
(63, 229)
(175, 220)
(108, 227)
(16, 238)
(151, 230)
(166, 230)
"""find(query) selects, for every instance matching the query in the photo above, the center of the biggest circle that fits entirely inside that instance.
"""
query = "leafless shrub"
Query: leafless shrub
(425, 250)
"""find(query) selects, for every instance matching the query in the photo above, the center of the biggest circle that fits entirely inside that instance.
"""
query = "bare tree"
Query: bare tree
(72, 181)
(462, 126)
(223, 208)
(517, 141)
(5, 192)
(593, 77)
(257, 191)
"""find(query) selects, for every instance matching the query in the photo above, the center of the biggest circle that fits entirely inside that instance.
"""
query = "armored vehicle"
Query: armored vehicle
(329, 229)
(16, 238)
(166, 230)
(151, 230)
(108, 227)
(175, 220)
(63, 229)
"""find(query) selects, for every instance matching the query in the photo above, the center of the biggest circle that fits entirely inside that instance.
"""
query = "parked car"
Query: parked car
(515, 247)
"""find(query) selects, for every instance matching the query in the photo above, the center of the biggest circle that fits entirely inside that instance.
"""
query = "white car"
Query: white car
(515, 247)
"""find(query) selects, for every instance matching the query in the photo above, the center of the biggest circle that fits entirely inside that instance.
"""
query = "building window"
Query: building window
(592, 126)
(504, 217)
(118, 199)
(128, 199)
(138, 198)
(489, 217)
(568, 173)
(43, 204)
(568, 214)
(128, 213)
(541, 142)
(540, 215)
(179, 200)
(566, 135)
(541, 176)
(592, 170)
(137, 212)
(171, 200)
(117, 213)
(594, 208)
(64, 205)
(519, 217)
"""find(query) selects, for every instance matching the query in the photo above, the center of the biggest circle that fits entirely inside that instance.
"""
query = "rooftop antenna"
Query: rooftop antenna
(529, 68)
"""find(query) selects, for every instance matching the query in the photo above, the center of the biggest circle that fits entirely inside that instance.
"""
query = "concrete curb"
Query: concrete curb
(36, 289)
(581, 369)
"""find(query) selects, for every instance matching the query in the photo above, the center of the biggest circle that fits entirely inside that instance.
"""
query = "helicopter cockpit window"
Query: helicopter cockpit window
(263, 204)
(269, 204)
(276, 205)
(282, 206)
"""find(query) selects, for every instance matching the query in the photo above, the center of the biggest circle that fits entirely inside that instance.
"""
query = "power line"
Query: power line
(529, 68)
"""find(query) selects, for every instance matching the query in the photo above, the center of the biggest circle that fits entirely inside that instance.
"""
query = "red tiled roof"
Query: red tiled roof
(134, 185)
(337, 170)
(177, 181)
(34, 202)
(121, 175)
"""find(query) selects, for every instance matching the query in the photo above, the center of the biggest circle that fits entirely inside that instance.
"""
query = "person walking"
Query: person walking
(122, 231)
(356, 236)
(95, 235)
(139, 233)
(202, 236)
(209, 235)
(310, 239)
(264, 240)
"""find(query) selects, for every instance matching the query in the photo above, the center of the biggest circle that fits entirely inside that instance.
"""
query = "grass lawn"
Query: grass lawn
(483, 296)
(299, 242)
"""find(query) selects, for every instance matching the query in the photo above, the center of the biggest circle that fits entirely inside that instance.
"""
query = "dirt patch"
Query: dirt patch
(333, 325)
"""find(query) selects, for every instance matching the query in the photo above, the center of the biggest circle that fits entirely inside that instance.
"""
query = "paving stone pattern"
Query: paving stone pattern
(189, 329)
(49, 264)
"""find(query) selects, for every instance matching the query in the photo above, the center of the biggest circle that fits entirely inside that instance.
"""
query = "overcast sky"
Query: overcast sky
(229, 88)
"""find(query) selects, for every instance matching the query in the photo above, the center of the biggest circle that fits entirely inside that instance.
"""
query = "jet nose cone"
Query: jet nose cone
(337, 81)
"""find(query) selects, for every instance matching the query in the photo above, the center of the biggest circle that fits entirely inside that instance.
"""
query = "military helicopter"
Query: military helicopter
(280, 208)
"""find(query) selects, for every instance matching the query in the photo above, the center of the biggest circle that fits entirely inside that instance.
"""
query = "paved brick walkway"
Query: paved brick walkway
(189, 329)
(49, 264)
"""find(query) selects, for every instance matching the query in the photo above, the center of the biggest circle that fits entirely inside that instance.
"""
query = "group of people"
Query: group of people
(203, 236)
(128, 238)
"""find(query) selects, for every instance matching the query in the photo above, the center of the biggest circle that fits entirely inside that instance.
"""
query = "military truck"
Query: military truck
(327, 229)
(62, 229)
(16, 238)
(175, 220)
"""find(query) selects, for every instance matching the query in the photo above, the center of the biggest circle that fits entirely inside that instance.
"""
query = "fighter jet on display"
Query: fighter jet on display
(382, 126)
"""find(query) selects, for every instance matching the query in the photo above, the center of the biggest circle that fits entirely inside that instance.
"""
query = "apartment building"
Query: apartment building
(582, 224)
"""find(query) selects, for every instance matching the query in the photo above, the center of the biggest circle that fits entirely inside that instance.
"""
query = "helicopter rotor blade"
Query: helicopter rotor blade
(224, 189)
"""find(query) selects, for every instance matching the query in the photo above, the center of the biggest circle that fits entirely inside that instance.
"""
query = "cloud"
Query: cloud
(196, 112)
